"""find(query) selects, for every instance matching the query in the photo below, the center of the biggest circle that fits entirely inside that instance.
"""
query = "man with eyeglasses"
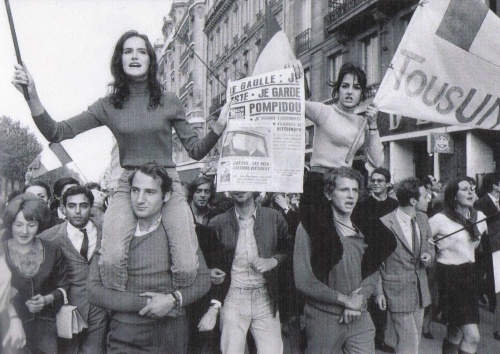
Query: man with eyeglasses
(365, 214)
(436, 200)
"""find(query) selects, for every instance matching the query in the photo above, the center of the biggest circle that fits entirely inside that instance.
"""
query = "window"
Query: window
(334, 64)
(370, 58)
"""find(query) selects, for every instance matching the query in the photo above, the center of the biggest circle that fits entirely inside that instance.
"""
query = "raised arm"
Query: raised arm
(196, 147)
(54, 131)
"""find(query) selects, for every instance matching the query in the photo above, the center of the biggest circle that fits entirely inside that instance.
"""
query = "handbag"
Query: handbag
(69, 321)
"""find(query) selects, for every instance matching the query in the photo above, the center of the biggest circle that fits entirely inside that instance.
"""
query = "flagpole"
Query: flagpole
(16, 45)
(475, 223)
(205, 64)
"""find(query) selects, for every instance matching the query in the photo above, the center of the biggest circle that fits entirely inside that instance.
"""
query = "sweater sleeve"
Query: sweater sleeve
(110, 299)
(317, 112)
(305, 280)
(374, 150)
(201, 284)
(57, 131)
(197, 148)
(61, 279)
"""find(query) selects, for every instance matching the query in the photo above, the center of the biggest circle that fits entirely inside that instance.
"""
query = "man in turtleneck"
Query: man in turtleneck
(366, 212)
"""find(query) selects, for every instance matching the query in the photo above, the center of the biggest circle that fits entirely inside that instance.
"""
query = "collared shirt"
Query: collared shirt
(76, 236)
(242, 273)
(405, 223)
(152, 227)
(494, 200)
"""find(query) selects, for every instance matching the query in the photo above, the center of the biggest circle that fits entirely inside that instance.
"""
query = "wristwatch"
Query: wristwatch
(177, 299)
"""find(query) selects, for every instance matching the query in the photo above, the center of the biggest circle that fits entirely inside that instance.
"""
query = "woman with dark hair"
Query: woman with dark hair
(141, 117)
(38, 271)
(456, 267)
(337, 129)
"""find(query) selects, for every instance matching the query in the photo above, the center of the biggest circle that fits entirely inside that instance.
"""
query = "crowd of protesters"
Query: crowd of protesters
(156, 268)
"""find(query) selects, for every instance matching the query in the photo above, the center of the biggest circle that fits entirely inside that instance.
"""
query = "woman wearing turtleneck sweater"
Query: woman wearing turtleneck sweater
(337, 127)
(141, 117)
(456, 267)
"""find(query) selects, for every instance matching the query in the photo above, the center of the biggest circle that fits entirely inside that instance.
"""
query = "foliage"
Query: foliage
(18, 148)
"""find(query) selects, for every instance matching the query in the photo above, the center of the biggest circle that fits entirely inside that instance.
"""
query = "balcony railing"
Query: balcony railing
(338, 9)
(184, 55)
(218, 101)
(259, 14)
(303, 42)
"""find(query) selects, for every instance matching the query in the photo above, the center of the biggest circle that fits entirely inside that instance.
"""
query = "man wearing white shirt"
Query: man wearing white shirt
(489, 253)
(79, 237)
(403, 289)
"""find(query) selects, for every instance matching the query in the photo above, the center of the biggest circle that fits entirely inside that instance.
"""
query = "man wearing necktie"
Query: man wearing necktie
(488, 253)
(402, 288)
(79, 237)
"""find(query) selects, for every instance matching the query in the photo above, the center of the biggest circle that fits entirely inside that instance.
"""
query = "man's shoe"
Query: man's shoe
(383, 346)
(427, 335)
(496, 335)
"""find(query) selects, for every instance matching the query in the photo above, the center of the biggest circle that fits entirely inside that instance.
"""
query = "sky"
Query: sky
(67, 47)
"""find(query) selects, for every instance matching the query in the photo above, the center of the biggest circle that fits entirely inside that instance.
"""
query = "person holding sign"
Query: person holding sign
(340, 132)
(141, 117)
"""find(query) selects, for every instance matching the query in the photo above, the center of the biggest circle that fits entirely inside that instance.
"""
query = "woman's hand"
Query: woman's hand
(221, 123)
(371, 116)
(297, 67)
(22, 77)
(15, 337)
(37, 303)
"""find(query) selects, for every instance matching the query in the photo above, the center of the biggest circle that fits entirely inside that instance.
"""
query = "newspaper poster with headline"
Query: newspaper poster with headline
(264, 142)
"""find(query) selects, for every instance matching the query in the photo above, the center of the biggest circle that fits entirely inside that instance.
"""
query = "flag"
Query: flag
(275, 50)
(49, 159)
(447, 66)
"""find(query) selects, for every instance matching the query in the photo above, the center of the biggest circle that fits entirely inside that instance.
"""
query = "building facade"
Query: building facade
(328, 33)
(225, 35)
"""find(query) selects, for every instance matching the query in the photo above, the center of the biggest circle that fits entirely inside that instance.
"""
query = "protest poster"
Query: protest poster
(447, 66)
(264, 143)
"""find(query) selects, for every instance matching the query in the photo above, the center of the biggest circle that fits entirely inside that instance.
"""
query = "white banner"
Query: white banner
(264, 143)
(447, 66)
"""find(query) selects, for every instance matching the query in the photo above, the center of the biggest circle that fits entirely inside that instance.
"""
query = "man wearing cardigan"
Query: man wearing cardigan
(335, 266)
(403, 289)
(253, 240)
(149, 315)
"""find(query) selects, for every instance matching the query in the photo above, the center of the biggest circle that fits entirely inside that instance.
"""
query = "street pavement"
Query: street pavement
(487, 345)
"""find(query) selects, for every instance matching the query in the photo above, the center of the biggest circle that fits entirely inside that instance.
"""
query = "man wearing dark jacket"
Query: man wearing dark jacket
(335, 266)
(254, 246)
(490, 244)
(365, 215)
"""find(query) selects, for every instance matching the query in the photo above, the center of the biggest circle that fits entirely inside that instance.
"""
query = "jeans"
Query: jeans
(250, 309)
(119, 227)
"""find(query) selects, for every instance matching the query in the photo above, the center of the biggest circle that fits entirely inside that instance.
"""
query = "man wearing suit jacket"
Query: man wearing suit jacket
(403, 289)
(490, 244)
(79, 238)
